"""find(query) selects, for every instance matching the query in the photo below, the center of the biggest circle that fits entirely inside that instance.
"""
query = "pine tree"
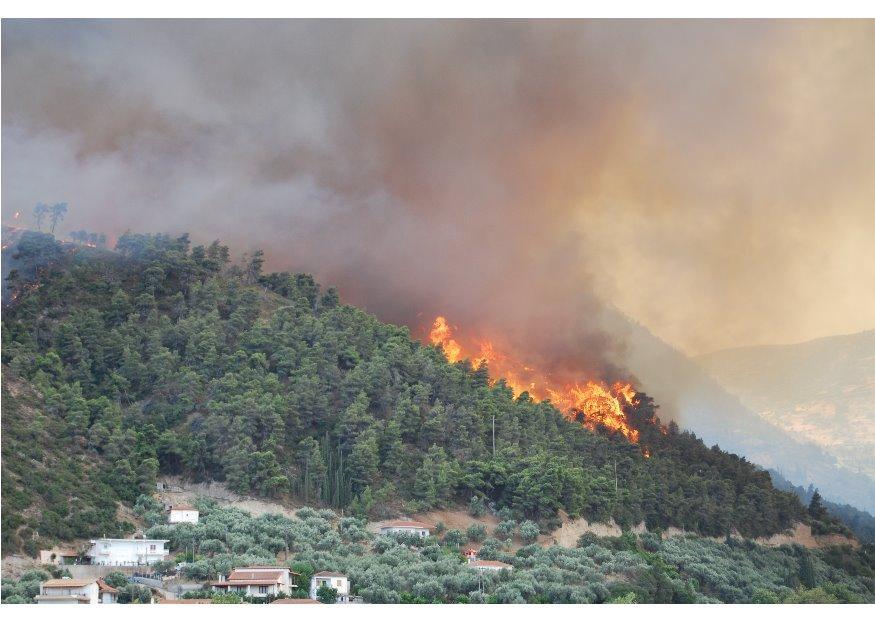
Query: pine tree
(807, 576)
(364, 461)
(815, 507)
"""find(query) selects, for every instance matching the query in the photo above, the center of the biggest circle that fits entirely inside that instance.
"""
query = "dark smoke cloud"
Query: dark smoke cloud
(713, 180)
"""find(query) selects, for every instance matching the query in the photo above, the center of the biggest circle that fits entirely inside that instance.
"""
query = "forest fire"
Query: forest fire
(592, 403)
(441, 334)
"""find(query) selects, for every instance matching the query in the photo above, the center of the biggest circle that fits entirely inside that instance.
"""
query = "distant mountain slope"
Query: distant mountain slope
(687, 393)
(822, 390)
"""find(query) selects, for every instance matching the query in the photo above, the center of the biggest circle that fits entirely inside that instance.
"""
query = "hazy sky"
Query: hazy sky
(713, 180)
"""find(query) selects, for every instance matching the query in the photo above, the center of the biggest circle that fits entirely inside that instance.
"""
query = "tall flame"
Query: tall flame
(441, 335)
(592, 403)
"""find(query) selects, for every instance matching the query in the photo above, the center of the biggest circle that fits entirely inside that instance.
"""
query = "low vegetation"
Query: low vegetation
(407, 569)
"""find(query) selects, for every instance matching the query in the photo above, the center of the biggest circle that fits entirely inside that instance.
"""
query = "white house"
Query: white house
(127, 551)
(417, 528)
(484, 565)
(338, 581)
(76, 592)
(261, 581)
(489, 565)
(183, 514)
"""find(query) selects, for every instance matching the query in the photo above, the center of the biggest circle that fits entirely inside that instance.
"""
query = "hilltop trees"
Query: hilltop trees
(56, 213)
(40, 211)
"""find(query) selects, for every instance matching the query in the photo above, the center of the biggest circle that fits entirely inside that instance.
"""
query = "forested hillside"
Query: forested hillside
(161, 357)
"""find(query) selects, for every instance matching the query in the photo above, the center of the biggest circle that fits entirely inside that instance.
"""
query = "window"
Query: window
(151, 547)
(262, 589)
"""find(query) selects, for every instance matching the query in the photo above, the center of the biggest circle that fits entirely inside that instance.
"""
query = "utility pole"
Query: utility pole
(616, 486)
(493, 435)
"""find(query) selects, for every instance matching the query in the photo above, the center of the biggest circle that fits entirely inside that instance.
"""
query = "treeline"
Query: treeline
(162, 357)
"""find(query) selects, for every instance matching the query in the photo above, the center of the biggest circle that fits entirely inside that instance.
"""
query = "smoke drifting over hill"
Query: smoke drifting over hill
(713, 180)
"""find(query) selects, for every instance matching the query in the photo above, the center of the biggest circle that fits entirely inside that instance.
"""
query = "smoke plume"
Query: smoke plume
(713, 180)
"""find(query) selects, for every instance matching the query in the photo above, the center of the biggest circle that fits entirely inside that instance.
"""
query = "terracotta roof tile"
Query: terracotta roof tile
(245, 573)
(67, 583)
(105, 587)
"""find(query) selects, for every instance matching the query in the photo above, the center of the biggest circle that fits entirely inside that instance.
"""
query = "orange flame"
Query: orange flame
(441, 335)
(593, 403)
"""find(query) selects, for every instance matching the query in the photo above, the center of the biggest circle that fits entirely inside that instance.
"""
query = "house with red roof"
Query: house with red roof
(259, 581)
(76, 592)
(484, 565)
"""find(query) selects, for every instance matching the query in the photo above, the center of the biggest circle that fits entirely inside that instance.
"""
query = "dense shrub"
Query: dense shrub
(529, 531)
(476, 532)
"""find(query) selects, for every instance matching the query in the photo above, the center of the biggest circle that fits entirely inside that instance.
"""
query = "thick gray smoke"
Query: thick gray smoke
(713, 180)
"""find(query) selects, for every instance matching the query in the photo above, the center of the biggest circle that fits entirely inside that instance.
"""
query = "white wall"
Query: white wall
(183, 516)
(251, 590)
(129, 552)
(91, 591)
(421, 532)
(341, 584)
